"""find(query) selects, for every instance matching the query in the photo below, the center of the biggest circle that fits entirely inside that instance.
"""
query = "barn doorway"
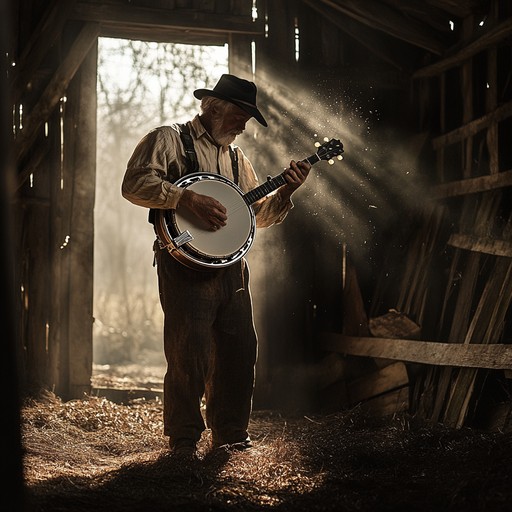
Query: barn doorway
(141, 85)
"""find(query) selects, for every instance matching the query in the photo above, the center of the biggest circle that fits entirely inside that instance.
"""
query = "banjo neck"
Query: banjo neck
(273, 183)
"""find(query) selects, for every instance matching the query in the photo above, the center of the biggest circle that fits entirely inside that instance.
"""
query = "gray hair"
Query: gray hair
(209, 103)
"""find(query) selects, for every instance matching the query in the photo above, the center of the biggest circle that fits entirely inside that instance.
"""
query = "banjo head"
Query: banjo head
(210, 249)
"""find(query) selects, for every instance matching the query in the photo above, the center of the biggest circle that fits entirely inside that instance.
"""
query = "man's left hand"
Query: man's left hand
(295, 176)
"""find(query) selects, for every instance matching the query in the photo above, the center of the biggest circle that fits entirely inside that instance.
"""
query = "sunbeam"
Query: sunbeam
(353, 206)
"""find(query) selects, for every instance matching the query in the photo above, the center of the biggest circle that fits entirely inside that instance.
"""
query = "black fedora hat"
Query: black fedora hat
(235, 90)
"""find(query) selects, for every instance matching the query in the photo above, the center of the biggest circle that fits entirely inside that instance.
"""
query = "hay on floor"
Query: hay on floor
(93, 455)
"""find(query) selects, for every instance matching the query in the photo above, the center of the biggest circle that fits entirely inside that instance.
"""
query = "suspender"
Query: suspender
(234, 163)
(188, 144)
(191, 156)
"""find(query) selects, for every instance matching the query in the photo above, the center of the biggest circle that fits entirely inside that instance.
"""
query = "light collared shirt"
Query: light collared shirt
(159, 160)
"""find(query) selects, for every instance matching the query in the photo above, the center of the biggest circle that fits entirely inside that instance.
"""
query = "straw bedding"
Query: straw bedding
(93, 455)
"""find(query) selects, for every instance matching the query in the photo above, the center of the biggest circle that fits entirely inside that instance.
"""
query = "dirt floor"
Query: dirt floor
(94, 455)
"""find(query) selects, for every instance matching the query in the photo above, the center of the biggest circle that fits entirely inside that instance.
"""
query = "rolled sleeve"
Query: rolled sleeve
(272, 210)
(147, 180)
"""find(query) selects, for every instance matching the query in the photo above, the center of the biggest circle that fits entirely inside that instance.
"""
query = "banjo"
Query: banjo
(193, 244)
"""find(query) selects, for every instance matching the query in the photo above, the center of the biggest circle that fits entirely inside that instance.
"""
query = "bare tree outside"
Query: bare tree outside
(141, 85)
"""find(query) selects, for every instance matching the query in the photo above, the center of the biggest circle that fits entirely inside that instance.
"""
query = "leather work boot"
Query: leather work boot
(183, 448)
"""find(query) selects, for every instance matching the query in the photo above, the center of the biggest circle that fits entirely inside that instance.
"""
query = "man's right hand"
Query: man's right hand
(206, 208)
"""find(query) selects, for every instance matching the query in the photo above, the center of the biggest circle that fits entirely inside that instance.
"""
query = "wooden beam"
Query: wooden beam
(361, 34)
(79, 182)
(160, 35)
(418, 9)
(492, 356)
(55, 89)
(499, 114)
(32, 165)
(42, 39)
(459, 8)
(472, 185)
(193, 20)
(481, 245)
(380, 16)
(486, 326)
(493, 36)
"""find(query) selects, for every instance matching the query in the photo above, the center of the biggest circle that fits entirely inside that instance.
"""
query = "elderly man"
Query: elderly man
(210, 343)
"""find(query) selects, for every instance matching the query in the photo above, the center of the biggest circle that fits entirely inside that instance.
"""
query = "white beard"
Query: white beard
(220, 137)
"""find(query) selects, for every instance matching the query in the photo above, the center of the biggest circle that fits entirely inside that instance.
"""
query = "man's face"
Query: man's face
(226, 128)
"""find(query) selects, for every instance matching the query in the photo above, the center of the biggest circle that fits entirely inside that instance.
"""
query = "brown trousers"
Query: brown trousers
(210, 345)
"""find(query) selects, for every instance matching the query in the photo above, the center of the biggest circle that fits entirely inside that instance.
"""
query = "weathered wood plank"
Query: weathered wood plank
(481, 245)
(119, 15)
(415, 277)
(492, 135)
(80, 181)
(55, 89)
(362, 34)
(393, 324)
(493, 36)
(478, 218)
(42, 39)
(278, 49)
(384, 18)
(240, 55)
(459, 8)
(499, 114)
(386, 379)
(165, 35)
(467, 99)
(35, 282)
(460, 321)
(434, 17)
(495, 356)
(32, 165)
(473, 185)
(486, 327)
(58, 266)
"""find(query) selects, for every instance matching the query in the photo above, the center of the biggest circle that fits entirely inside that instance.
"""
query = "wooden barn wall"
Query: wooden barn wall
(450, 296)
(474, 307)
(446, 357)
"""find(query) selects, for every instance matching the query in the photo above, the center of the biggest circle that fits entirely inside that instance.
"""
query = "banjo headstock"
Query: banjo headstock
(330, 149)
